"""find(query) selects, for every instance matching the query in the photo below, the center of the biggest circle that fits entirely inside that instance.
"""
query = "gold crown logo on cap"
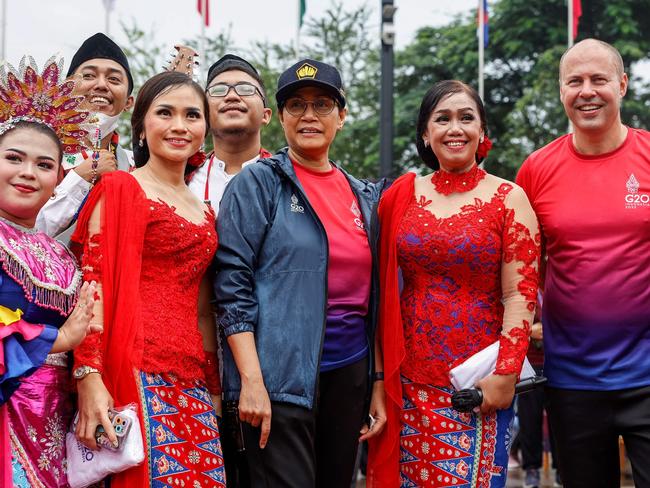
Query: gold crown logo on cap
(306, 71)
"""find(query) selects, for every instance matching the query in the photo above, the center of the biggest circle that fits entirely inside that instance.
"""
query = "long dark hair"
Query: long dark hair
(431, 99)
(153, 88)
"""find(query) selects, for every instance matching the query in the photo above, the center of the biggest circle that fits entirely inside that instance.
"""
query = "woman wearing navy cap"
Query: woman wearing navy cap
(296, 291)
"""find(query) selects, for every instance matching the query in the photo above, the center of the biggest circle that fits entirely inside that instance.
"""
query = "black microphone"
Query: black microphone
(467, 400)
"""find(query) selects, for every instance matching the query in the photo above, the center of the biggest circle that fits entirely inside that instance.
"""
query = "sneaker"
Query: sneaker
(531, 480)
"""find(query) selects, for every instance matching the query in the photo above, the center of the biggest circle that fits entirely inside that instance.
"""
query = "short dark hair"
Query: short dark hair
(431, 99)
(152, 89)
(40, 128)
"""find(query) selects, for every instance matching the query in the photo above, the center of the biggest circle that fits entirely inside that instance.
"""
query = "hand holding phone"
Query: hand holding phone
(121, 424)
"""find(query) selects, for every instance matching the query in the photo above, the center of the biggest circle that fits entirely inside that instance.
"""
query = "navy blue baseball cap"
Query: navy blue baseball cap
(309, 72)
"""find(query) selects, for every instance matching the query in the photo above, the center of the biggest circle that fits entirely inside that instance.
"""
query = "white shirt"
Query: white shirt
(219, 179)
(58, 213)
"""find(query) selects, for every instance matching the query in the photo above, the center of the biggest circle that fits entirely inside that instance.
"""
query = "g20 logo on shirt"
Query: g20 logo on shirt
(634, 199)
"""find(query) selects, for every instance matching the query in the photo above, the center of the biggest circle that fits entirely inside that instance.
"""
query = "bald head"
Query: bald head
(590, 47)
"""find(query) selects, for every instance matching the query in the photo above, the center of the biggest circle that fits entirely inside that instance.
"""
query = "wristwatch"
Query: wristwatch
(82, 371)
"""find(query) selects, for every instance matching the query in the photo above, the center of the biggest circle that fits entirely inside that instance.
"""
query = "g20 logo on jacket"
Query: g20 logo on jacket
(295, 207)
(634, 199)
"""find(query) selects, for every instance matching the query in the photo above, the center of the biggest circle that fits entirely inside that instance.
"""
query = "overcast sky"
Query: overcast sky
(45, 27)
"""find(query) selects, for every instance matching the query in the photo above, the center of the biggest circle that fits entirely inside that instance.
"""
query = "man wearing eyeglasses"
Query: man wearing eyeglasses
(238, 110)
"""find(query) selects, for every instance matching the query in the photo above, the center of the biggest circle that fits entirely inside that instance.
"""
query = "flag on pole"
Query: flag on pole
(203, 6)
(485, 22)
(302, 9)
(577, 13)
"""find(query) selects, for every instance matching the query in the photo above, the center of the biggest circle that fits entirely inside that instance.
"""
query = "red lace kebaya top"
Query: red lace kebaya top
(461, 269)
(175, 255)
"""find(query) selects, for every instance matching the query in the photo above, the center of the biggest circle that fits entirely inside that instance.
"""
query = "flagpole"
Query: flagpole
(204, 14)
(299, 24)
(4, 30)
(107, 24)
(481, 49)
(569, 23)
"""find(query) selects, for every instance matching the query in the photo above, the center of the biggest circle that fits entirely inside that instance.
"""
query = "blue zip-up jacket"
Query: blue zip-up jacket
(272, 276)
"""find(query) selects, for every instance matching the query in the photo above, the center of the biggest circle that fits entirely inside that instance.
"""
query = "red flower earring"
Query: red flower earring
(484, 147)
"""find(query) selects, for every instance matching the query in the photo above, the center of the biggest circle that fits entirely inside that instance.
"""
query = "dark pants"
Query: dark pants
(530, 410)
(587, 424)
(312, 448)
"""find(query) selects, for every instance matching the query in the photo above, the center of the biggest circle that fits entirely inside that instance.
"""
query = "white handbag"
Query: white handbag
(481, 364)
(86, 466)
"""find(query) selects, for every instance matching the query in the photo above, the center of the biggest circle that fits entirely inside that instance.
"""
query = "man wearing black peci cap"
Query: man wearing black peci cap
(238, 111)
(103, 76)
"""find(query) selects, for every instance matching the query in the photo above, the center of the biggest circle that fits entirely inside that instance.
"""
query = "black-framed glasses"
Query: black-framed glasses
(242, 89)
(297, 106)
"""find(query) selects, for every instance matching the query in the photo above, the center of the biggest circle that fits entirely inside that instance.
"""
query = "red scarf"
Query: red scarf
(383, 456)
(123, 206)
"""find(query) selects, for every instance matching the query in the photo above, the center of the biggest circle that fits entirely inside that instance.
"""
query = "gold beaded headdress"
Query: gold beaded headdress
(26, 95)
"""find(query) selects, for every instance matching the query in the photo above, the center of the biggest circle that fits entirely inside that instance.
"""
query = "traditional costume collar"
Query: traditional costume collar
(448, 183)
(43, 267)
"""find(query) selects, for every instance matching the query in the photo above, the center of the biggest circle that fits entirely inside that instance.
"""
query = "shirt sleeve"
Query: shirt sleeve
(519, 281)
(59, 212)
(244, 218)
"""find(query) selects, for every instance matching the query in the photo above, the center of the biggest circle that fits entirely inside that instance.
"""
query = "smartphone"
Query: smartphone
(121, 425)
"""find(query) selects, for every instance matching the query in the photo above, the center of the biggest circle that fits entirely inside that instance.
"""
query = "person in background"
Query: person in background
(590, 190)
(296, 296)
(467, 246)
(102, 75)
(238, 111)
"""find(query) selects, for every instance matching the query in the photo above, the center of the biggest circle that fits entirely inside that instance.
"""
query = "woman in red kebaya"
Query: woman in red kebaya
(148, 241)
(467, 246)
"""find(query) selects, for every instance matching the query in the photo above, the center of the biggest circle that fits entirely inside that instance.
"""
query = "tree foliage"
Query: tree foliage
(521, 77)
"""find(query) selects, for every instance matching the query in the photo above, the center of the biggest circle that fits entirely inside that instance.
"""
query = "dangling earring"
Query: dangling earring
(141, 142)
(481, 140)
(426, 143)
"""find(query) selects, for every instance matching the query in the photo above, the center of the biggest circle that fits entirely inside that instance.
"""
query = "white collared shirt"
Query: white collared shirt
(219, 179)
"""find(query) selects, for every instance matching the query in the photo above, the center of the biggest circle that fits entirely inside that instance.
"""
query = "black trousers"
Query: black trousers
(587, 424)
(312, 448)
(530, 410)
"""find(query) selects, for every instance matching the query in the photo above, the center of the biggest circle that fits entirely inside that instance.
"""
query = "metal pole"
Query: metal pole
(569, 23)
(4, 30)
(107, 25)
(386, 96)
(481, 49)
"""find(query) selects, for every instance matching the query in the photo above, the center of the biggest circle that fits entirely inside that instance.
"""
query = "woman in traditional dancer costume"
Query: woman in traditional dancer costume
(467, 245)
(148, 241)
(40, 316)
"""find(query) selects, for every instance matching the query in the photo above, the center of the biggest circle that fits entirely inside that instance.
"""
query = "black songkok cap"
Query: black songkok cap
(232, 62)
(100, 46)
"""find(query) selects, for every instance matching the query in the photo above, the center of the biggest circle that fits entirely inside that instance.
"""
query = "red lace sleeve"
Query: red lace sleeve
(89, 352)
(519, 281)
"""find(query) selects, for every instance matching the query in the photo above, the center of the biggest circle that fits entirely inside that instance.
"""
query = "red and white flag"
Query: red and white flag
(203, 6)
(577, 13)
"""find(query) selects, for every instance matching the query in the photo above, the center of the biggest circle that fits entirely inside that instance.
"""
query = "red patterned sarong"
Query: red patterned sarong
(441, 447)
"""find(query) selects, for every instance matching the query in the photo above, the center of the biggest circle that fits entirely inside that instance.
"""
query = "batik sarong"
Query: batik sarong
(441, 447)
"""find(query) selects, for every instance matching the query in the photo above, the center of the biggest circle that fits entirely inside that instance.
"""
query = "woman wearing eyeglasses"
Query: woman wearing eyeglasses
(296, 296)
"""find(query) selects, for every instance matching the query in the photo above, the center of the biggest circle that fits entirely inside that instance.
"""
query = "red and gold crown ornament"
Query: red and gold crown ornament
(27, 95)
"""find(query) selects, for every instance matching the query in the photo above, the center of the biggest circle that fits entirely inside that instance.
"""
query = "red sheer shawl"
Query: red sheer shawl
(383, 456)
(123, 227)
